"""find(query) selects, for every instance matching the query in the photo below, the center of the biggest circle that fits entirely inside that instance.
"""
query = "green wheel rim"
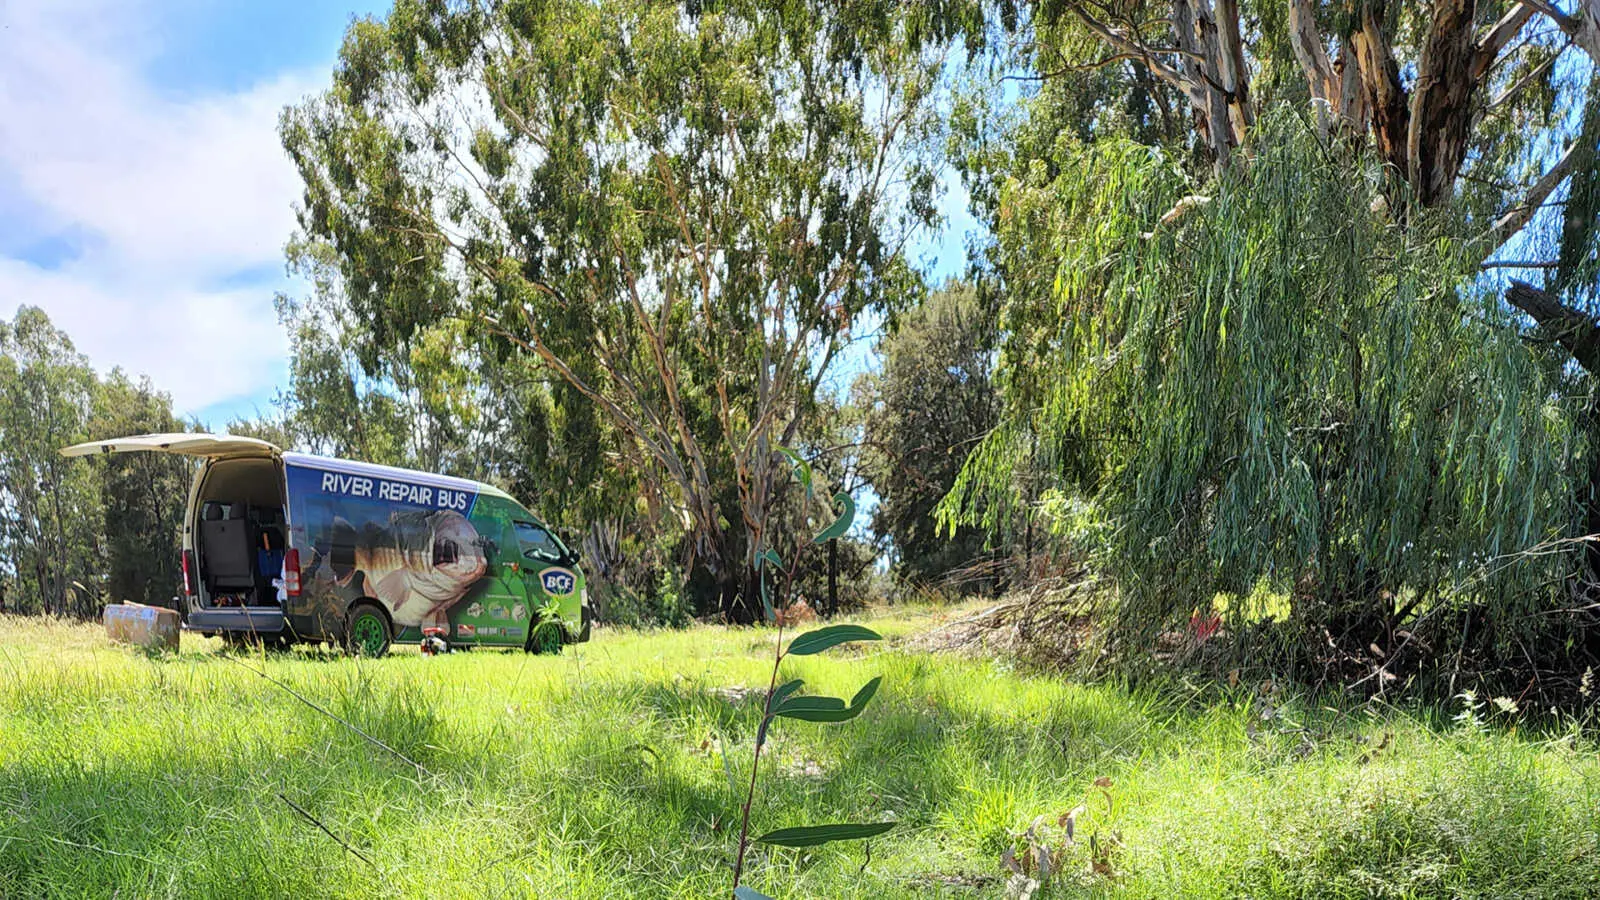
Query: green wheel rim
(546, 638)
(366, 633)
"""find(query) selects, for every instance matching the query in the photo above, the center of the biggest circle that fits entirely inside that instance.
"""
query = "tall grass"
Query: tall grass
(601, 773)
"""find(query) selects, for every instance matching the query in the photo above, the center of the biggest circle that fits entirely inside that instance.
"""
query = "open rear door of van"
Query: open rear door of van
(210, 448)
(206, 446)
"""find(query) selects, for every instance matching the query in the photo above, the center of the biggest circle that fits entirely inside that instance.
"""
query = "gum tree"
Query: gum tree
(49, 508)
(679, 210)
(1253, 317)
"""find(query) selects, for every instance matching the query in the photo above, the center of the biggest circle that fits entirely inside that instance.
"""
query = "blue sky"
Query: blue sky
(144, 199)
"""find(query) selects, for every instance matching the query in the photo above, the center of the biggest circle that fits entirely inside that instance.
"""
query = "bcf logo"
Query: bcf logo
(558, 582)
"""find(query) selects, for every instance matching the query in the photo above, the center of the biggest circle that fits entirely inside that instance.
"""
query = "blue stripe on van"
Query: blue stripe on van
(364, 484)
(392, 473)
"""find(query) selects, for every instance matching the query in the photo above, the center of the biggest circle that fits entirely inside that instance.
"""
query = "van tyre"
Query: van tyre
(366, 631)
(546, 637)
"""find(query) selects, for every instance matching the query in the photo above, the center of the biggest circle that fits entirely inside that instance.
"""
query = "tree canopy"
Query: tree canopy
(1283, 311)
(1253, 321)
(680, 212)
(70, 535)
(933, 401)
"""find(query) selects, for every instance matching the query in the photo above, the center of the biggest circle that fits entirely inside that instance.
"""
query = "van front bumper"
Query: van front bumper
(587, 617)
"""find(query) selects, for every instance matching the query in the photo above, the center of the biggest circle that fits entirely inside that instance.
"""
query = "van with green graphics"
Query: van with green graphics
(285, 547)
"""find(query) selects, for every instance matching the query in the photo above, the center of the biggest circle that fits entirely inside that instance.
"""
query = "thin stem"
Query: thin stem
(755, 765)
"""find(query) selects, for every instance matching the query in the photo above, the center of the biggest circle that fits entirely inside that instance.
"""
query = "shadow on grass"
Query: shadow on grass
(620, 779)
(143, 827)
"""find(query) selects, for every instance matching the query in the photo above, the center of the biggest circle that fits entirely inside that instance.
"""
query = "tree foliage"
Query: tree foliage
(73, 536)
(1295, 391)
(443, 400)
(1249, 335)
(931, 404)
(142, 494)
(46, 398)
(678, 211)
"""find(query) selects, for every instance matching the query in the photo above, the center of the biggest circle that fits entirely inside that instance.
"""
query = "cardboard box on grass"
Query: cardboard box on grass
(151, 627)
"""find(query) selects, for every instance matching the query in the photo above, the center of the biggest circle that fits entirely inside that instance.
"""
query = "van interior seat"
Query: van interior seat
(227, 549)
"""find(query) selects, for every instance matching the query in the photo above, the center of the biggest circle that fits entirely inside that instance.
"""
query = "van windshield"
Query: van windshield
(539, 543)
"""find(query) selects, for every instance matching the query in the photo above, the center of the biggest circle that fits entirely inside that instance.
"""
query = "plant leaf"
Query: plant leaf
(764, 559)
(831, 636)
(813, 835)
(743, 893)
(828, 709)
(801, 468)
(804, 703)
(840, 714)
(783, 691)
(859, 701)
(842, 523)
(779, 695)
(829, 716)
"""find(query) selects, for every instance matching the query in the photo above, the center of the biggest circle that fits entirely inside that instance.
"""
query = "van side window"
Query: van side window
(537, 543)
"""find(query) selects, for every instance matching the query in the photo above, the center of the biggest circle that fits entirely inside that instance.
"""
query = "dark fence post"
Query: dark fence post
(833, 576)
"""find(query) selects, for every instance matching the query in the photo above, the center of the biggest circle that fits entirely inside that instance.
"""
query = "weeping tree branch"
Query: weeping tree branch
(1489, 47)
(1573, 329)
(1520, 215)
(1131, 48)
(1583, 28)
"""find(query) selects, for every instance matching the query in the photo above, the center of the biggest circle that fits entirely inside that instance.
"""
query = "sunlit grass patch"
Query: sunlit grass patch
(616, 769)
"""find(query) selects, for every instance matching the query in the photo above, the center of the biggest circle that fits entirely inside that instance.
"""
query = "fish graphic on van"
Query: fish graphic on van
(418, 563)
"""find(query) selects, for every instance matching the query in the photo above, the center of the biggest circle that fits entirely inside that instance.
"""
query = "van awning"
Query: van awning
(210, 446)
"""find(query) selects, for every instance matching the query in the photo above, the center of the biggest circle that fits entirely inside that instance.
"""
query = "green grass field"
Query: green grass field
(599, 773)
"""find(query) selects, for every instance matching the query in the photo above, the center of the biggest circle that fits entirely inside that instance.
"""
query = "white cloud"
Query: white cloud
(180, 203)
(202, 346)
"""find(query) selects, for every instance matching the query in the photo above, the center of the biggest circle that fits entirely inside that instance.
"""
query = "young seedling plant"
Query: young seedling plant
(783, 701)
(546, 634)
